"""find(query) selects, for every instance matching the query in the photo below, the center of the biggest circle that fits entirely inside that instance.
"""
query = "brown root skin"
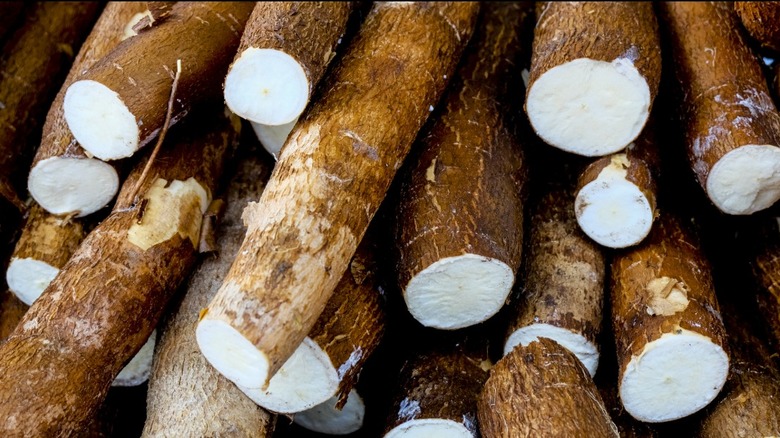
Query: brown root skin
(76, 338)
(466, 190)
(53, 32)
(762, 21)
(11, 312)
(542, 390)
(328, 211)
(725, 102)
(212, 405)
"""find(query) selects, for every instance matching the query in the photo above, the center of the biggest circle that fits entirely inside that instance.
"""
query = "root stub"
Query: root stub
(232, 354)
(675, 376)
(64, 185)
(458, 292)
(746, 180)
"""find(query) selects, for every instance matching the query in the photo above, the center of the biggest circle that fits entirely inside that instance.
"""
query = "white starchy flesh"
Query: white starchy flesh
(612, 210)
(589, 107)
(100, 121)
(457, 292)
(138, 369)
(325, 418)
(65, 186)
(585, 350)
(430, 428)
(675, 376)
(27, 278)
(266, 86)
(307, 379)
(746, 180)
(273, 137)
(231, 353)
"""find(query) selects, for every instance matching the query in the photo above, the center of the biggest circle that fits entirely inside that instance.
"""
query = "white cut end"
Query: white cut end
(586, 351)
(307, 379)
(266, 86)
(100, 121)
(273, 137)
(589, 107)
(746, 180)
(230, 353)
(325, 418)
(430, 428)
(27, 278)
(68, 185)
(139, 368)
(675, 376)
(457, 292)
(612, 210)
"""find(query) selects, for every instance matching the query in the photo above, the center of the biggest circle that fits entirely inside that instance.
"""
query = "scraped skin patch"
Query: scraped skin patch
(273, 137)
(128, 31)
(457, 292)
(325, 418)
(589, 107)
(612, 210)
(429, 428)
(100, 121)
(27, 278)
(746, 180)
(177, 208)
(585, 350)
(72, 185)
(675, 376)
(307, 379)
(667, 296)
(266, 86)
(138, 369)
(230, 353)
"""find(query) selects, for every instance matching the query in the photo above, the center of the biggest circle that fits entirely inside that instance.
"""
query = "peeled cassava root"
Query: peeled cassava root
(284, 51)
(33, 63)
(613, 50)
(460, 214)
(617, 195)
(562, 294)
(63, 179)
(671, 343)
(119, 105)
(186, 396)
(327, 185)
(762, 21)
(76, 338)
(731, 126)
(542, 390)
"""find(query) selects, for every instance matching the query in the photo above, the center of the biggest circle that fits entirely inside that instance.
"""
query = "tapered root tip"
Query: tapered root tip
(72, 185)
(675, 376)
(430, 428)
(266, 86)
(230, 353)
(745, 180)
(100, 121)
(307, 379)
(457, 292)
(587, 352)
(589, 107)
(325, 418)
(28, 278)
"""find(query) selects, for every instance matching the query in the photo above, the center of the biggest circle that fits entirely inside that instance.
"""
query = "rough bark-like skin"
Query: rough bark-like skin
(672, 251)
(765, 263)
(48, 238)
(602, 31)
(564, 271)
(203, 35)
(749, 404)
(186, 396)
(725, 99)
(465, 192)
(107, 33)
(11, 312)
(542, 390)
(353, 322)
(307, 31)
(335, 170)
(102, 307)
(440, 384)
(10, 12)
(33, 64)
(762, 21)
